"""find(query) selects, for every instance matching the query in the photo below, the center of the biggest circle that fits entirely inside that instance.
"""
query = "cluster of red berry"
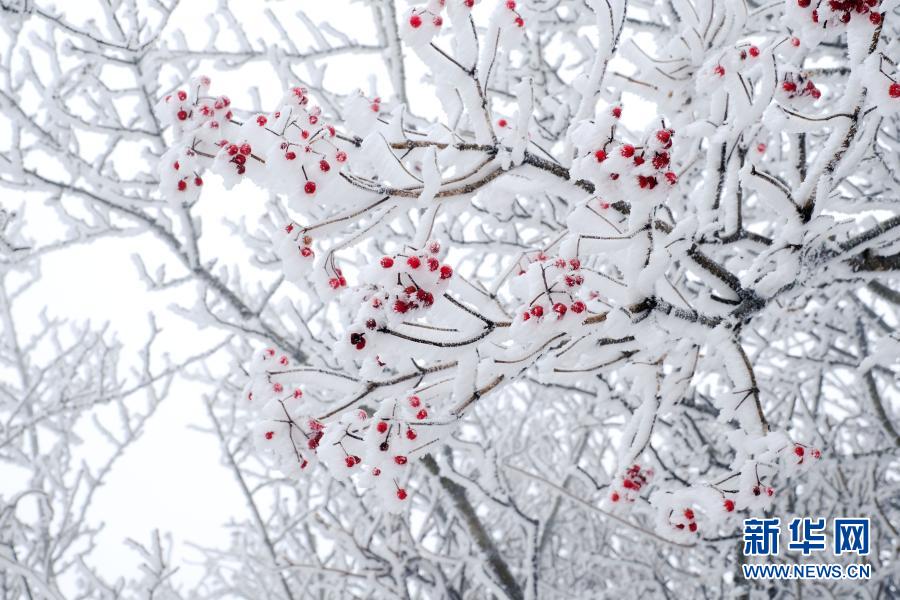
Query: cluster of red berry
(187, 178)
(842, 11)
(633, 480)
(411, 293)
(238, 154)
(797, 86)
(657, 151)
(402, 284)
(684, 520)
(396, 431)
(563, 274)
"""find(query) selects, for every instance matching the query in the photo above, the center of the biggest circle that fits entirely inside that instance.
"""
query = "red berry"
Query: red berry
(182, 185)
(578, 307)
(341, 156)
(310, 187)
(182, 115)
(410, 434)
(798, 450)
(614, 496)
(376, 471)
(324, 166)
(400, 306)
(198, 181)
(261, 120)
(387, 262)
(729, 505)
(671, 177)
(816, 453)
(875, 18)
(350, 462)
(446, 272)
(270, 435)
(688, 514)
(894, 90)
(290, 155)
(617, 112)
(415, 21)
(627, 150)
(719, 70)
(526, 315)
(511, 4)
(413, 262)
(182, 95)
(438, 21)
(789, 86)
(560, 309)
(240, 159)
(520, 22)
(600, 155)
(754, 51)
(795, 42)
(306, 252)
(232, 150)
(422, 414)
(502, 123)
(401, 494)
(537, 311)
(770, 491)
(803, 3)
(245, 149)
(415, 401)
(664, 136)
(692, 526)
(400, 460)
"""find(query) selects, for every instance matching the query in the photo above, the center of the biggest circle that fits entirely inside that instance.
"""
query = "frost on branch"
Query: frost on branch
(655, 279)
